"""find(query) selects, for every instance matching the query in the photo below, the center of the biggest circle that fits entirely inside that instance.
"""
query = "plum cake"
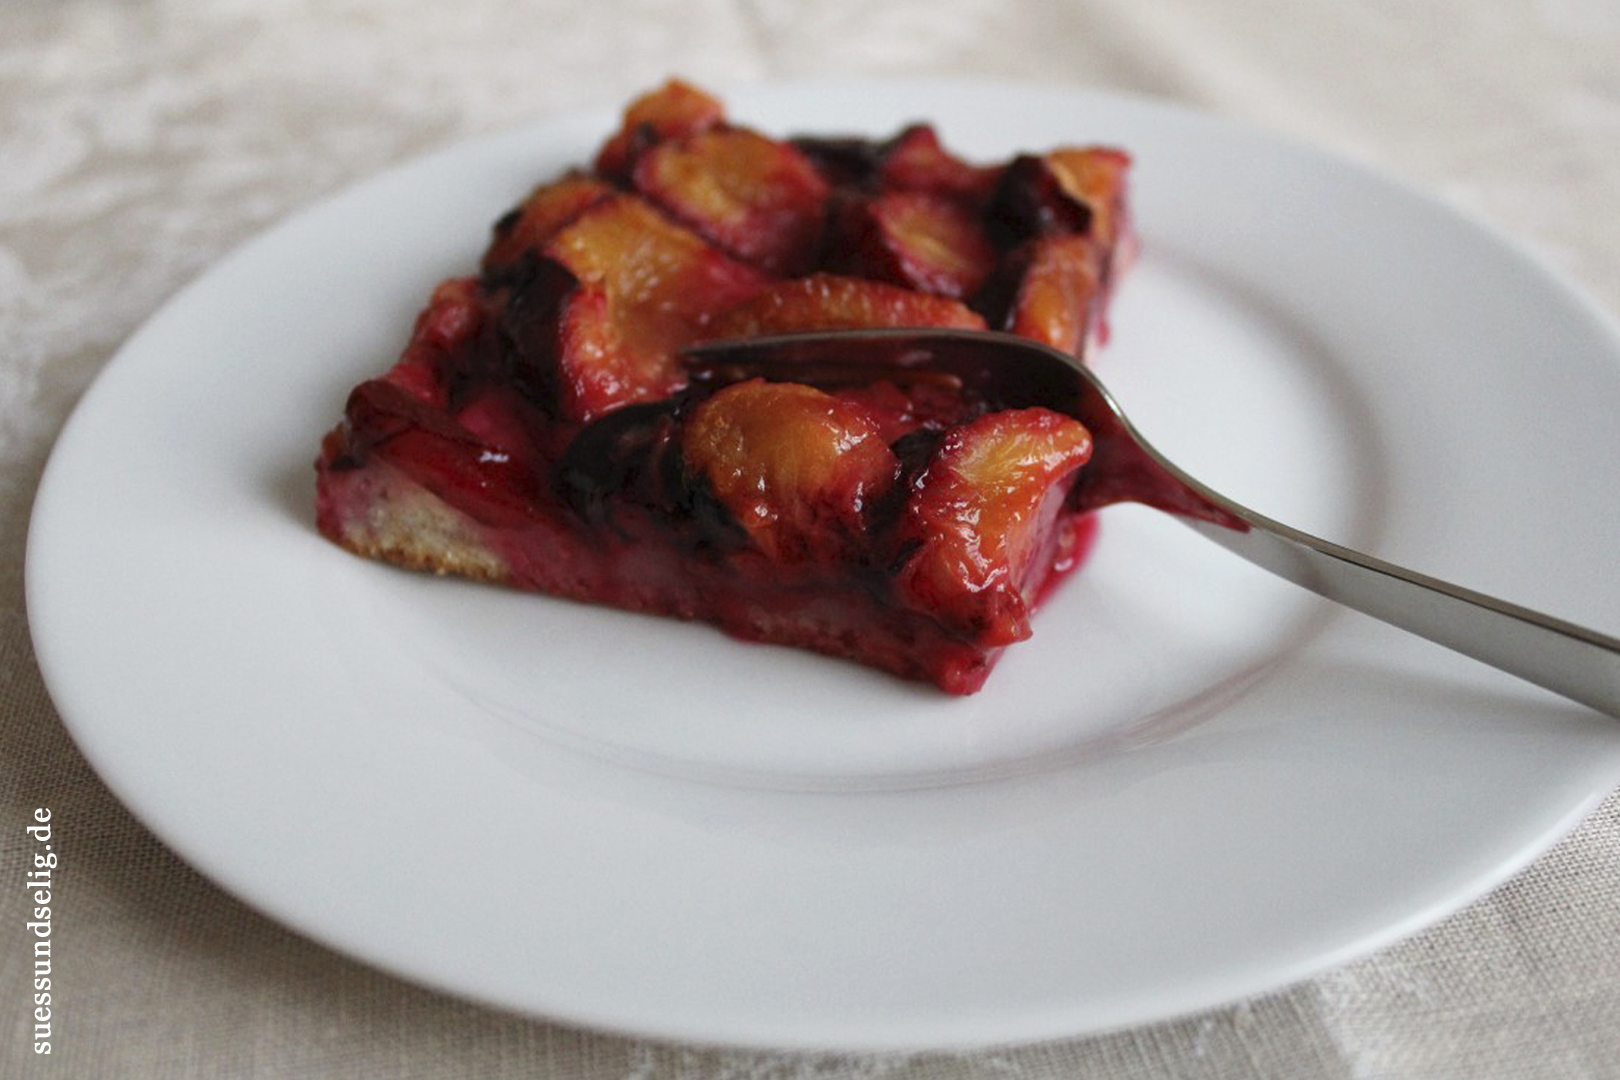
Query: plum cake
(540, 429)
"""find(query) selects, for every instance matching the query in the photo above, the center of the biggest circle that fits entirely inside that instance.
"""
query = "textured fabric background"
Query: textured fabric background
(142, 139)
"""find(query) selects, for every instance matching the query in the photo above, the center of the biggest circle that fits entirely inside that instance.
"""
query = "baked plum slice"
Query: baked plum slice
(672, 111)
(916, 160)
(1056, 291)
(981, 527)
(522, 232)
(1076, 190)
(760, 200)
(492, 484)
(1095, 177)
(442, 353)
(638, 289)
(916, 239)
(825, 301)
(799, 469)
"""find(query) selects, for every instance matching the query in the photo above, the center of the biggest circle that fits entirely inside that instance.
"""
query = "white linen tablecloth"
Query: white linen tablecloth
(142, 139)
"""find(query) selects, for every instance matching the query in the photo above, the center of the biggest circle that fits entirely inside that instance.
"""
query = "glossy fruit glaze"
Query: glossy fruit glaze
(539, 429)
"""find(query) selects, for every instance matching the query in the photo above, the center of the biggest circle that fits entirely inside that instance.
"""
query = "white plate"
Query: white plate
(1194, 784)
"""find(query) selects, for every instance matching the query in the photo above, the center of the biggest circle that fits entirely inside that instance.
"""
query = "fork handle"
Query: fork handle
(1576, 662)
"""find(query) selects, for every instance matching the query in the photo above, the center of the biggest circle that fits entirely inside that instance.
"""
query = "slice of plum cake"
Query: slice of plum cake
(540, 431)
